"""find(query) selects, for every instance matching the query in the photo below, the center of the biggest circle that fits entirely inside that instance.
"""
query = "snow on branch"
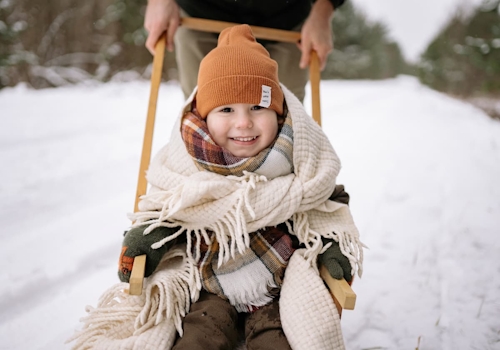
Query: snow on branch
(59, 76)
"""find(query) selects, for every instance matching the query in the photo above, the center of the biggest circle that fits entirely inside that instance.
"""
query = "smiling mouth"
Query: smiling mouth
(244, 139)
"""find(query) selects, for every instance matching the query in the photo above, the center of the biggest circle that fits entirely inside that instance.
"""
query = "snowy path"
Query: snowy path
(431, 218)
(422, 170)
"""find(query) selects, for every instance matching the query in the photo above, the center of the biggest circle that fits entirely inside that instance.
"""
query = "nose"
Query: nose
(243, 120)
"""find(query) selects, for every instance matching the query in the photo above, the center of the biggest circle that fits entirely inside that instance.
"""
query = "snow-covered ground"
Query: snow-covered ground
(422, 169)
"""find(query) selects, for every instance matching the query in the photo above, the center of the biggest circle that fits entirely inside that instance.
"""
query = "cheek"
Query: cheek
(212, 125)
(216, 128)
(273, 128)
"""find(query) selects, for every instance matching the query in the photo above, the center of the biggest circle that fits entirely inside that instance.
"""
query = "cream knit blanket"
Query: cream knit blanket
(181, 195)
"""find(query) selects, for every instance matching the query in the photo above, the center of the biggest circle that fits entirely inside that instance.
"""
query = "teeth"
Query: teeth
(244, 138)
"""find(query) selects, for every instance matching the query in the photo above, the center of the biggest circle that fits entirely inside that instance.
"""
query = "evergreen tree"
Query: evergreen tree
(132, 38)
(464, 59)
(362, 49)
(10, 28)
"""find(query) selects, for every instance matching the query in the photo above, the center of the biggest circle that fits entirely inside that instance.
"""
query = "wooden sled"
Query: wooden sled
(343, 295)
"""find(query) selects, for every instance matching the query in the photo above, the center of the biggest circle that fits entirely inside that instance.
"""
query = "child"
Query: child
(246, 179)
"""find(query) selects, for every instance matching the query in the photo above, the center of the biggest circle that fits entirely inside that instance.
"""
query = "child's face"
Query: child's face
(243, 129)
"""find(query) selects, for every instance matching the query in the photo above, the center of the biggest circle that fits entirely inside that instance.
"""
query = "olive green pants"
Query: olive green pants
(192, 45)
(214, 324)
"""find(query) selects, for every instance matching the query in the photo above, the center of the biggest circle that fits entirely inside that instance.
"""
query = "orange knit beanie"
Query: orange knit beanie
(238, 70)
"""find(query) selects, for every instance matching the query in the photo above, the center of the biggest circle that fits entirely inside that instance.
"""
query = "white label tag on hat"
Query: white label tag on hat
(265, 98)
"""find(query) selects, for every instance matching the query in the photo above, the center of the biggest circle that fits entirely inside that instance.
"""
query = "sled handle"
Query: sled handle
(213, 26)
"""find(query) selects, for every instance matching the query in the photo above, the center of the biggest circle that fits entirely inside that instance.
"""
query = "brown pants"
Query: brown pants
(212, 324)
(192, 45)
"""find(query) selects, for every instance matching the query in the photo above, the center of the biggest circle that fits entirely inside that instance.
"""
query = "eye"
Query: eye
(226, 110)
(256, 108)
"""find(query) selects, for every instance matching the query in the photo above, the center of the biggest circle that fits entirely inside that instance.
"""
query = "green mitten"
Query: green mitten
(136, 243)
(340, 195)
(336, 263)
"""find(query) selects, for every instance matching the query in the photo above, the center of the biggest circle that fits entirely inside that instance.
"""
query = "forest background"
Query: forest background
(61, 42)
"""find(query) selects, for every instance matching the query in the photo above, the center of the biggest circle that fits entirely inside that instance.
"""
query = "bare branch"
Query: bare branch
(53, 29)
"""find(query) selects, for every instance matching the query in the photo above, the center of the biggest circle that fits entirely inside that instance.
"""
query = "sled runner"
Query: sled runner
(343, 295)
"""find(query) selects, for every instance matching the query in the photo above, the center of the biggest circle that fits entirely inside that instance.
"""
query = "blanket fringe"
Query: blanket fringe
(124, 321)
(348, 239)
(231, 227)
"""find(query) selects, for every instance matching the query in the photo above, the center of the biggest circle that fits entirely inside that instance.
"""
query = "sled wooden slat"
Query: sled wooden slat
(340, 289)
(137, 275)
(314, 79)
(150, 120)
(208, 25)
(343, 295)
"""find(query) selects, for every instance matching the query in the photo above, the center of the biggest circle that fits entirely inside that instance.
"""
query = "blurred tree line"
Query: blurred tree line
(362, 49)
(464, 58)
(59, 42)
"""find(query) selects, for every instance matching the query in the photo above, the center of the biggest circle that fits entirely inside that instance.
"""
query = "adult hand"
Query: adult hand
(162, 16)
(316, 33)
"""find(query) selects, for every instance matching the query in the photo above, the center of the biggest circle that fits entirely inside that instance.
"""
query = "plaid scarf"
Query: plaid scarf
(251, 279)
(274, 161)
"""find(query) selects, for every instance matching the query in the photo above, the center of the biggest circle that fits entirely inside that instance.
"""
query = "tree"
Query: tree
(362, 49)
(464, 58)
(10, 27)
